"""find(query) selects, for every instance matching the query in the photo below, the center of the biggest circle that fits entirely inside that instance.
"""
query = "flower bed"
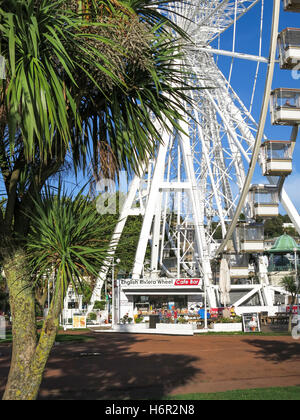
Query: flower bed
(228, 324)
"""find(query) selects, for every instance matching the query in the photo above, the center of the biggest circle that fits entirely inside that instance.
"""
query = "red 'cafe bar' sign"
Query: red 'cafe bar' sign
(187, 282)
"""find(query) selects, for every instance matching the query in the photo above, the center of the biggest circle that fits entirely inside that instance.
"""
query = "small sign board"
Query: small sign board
(79, 322)
(251, 322)
(294, 309)
(2, 328)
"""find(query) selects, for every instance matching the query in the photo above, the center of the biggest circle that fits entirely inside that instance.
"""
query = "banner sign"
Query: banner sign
(216, 312)
(160, 283)
(251, 322)
(187, 282)
(294, 309)
(79, 322)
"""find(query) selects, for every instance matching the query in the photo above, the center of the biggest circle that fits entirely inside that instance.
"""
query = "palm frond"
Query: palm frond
(65, 238)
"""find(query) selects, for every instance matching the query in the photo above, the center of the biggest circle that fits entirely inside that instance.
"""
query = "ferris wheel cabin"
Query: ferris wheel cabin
(251, 238)
(291, 5)
(285, 107)
(289, 48)
(239, 266)
(277, 158)
(264, 199)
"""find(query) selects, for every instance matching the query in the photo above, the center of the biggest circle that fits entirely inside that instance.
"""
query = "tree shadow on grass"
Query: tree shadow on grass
(276, 351)
(107, 370)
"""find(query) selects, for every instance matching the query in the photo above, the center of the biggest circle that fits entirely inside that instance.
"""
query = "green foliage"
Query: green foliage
(263, 394)
(39, 40)
(88, 80)
(128, 244)
(139, 319)
(92, 316)
(291, 286)
(274, 227)
(100, 305)
(235, 320)
(182, 320)
(86, 290)
(65, 239)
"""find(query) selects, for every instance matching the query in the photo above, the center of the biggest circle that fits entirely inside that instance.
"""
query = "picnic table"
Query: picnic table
(279, 318)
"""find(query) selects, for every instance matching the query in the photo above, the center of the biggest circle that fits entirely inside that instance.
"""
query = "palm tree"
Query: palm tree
(83, 80)
(64, 242)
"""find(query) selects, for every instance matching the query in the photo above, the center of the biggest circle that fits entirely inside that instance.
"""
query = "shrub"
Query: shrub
(101, 305)
(92, 316)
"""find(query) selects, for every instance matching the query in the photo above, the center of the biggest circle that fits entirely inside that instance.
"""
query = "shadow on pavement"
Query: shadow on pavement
(109, 370)
(275, 350)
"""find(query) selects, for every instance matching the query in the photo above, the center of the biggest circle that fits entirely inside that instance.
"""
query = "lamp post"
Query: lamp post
(205, 294)
(113, 290)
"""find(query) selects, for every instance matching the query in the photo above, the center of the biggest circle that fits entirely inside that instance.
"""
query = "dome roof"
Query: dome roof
(285, 244)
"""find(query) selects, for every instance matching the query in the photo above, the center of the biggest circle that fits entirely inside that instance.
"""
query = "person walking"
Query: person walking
(160, 315)
(175, 316)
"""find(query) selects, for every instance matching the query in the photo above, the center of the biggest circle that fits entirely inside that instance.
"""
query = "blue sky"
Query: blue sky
(247, 41)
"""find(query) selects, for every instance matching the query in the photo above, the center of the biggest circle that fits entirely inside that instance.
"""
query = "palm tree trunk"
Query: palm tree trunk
(22, 306)
(46, 342)
(29, 356)
(290, 322)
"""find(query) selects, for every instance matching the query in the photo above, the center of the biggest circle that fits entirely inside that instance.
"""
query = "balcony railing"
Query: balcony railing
(287, 267)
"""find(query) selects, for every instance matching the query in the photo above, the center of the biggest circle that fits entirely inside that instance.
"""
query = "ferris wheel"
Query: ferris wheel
(196, 195)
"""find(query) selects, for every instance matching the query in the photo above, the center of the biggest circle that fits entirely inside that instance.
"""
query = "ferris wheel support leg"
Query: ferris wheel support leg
(268, 295)
(204, 260)
(154, 194)
(96, 296)
(156, 234)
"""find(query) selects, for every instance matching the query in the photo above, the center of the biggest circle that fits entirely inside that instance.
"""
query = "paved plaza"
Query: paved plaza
(128, 366)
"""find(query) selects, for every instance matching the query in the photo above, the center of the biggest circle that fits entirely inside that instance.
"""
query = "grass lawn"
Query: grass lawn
(8, 338)
(263, 394)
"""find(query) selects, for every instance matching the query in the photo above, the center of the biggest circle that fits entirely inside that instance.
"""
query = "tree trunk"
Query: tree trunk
(22, 306)
(46, 342)
(29, 357)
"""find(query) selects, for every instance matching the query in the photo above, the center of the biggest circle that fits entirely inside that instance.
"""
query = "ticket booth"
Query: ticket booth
(289, 48)
(285, 107)
(277, 158)
(291, 5)
(264, 200)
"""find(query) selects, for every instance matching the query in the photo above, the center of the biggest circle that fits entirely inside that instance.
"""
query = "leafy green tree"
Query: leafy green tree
(84, 79)
(273, 227)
